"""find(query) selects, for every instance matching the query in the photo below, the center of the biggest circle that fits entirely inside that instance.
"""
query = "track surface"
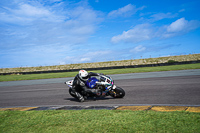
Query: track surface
(169, 88)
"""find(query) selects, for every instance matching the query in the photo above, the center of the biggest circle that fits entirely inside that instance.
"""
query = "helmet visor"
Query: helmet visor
(85, 77)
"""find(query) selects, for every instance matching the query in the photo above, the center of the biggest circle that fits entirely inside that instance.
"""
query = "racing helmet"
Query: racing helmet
(83, 74)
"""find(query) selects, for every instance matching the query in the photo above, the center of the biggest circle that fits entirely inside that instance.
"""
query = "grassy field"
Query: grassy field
(111, 71)
(181, 58)
(89, 121)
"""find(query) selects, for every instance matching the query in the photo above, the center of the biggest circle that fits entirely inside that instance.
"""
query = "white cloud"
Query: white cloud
(43, 24)
(58, 27)
(25, 14)
(82, 21)
(180, 26)
(138, 33)
(137, 49)
(182, 10)
(86, 57)
(125, 11)
(160, 16)
(144, 32)
(29, 10)
(153, 17)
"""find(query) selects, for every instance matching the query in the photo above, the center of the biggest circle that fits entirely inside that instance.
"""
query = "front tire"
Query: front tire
(118, 93)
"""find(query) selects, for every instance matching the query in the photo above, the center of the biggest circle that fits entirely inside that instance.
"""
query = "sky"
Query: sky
(58, 32)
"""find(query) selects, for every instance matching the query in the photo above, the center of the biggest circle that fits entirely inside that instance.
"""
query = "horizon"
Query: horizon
(115, 61)
(58, 32)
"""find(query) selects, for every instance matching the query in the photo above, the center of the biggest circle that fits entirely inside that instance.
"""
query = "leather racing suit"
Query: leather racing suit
(79, 86)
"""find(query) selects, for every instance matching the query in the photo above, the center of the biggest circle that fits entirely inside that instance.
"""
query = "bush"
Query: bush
(171, 61)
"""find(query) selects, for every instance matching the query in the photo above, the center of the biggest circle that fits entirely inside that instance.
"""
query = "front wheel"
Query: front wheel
(118, 93)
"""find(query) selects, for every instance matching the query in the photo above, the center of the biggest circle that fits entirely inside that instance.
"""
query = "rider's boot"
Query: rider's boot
(79, 97)
(85, 95)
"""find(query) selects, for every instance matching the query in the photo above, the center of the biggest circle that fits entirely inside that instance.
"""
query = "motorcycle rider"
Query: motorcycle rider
(79, 87)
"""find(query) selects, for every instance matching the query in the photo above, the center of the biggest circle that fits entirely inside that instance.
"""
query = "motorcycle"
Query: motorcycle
(104, 87)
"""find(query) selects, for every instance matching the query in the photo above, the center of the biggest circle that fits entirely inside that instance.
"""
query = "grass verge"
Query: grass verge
(111, 71)
(98, 121)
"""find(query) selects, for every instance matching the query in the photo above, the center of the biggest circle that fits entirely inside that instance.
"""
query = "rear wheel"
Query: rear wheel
(118, 93)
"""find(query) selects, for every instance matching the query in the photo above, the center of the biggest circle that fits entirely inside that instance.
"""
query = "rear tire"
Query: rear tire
(118, 93)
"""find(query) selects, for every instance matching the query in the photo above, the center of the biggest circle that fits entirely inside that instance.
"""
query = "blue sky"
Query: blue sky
(55, 32)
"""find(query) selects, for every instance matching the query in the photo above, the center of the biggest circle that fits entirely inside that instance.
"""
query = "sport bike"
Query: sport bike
(104, 86)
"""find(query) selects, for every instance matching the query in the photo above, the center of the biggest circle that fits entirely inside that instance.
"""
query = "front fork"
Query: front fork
(112, 91)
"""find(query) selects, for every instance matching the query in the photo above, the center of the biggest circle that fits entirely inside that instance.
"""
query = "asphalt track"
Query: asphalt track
(180, 88)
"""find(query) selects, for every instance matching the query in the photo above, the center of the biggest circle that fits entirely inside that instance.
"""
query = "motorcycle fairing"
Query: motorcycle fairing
(91, 82)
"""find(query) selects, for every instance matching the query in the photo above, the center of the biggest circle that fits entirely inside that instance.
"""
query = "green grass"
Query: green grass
(90, 121)
(111, 71)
